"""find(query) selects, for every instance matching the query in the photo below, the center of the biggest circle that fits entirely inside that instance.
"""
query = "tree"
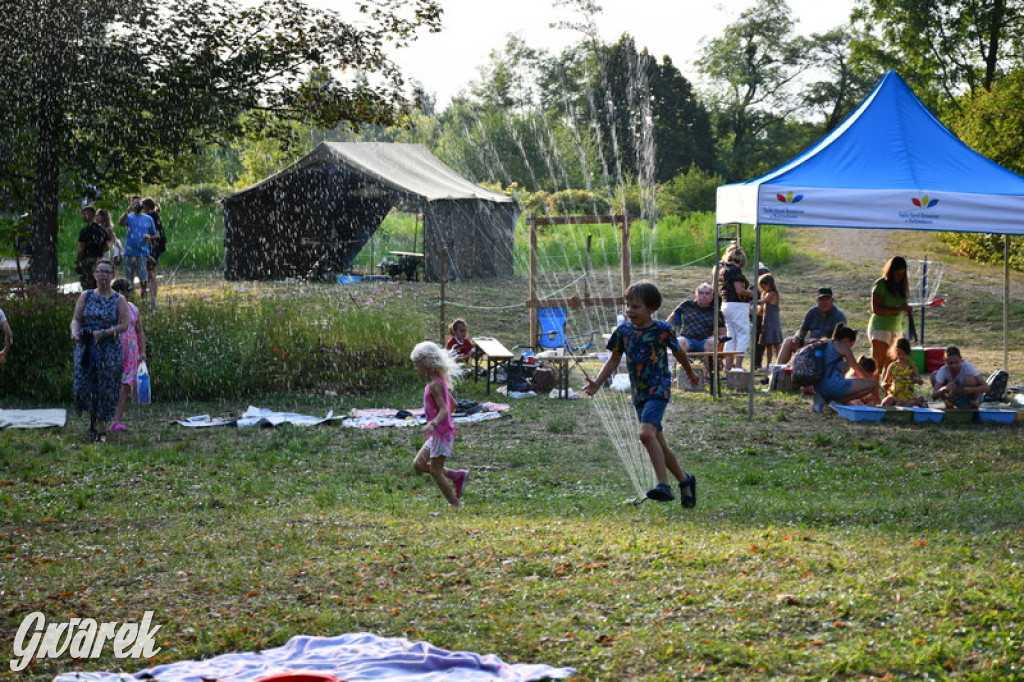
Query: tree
(843, 85)
(947, 47)
(114, 91)
(756, 60)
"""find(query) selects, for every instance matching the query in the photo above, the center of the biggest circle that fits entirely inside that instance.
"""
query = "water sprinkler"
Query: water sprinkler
(635, 501)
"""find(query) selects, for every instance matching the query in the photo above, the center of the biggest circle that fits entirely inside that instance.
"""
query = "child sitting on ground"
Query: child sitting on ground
(900, 377)
(645, 342)
(459, 342)
(866, 363)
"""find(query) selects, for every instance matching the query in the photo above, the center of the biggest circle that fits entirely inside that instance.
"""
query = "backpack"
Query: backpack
(997, 385)
(809, 364)
(518, 379)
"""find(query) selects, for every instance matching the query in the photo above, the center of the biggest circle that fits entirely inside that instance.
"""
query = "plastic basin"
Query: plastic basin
(857, 413)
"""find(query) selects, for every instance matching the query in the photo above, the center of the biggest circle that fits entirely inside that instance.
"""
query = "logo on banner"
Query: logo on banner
(784, 212)
(920, 217)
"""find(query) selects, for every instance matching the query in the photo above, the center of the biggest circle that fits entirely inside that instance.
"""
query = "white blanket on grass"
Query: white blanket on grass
(376, 422)
(32, 419)
(354, 657)
(257, 416)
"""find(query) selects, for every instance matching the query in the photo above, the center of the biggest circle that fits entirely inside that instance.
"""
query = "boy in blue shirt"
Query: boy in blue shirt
(646, 342)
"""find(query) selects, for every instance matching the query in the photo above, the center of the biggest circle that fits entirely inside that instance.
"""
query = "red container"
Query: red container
(934, 359)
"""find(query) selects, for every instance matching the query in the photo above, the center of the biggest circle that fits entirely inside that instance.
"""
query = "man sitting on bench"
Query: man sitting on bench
(694, 321)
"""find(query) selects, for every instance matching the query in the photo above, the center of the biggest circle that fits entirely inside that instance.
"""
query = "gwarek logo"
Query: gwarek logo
(81, 638)
(924, 202)
(789, 198)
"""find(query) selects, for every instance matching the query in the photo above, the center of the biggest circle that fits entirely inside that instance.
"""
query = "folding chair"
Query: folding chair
(551, 332)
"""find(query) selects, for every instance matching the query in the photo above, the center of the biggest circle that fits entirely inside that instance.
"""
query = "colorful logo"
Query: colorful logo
(790, 198)
(924, 202)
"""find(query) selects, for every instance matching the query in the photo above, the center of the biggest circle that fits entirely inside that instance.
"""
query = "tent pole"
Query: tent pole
(1006, 302)
(444, 277)
(924, 296)
(752, 346)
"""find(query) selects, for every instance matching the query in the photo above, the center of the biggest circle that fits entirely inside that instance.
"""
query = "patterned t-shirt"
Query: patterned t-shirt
(696, 321)
(646, 351)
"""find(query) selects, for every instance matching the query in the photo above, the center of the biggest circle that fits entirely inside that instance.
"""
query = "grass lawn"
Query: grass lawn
(819, 549)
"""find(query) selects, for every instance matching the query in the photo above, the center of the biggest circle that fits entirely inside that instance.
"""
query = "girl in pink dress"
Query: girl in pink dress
(133, 346)
(437, 368)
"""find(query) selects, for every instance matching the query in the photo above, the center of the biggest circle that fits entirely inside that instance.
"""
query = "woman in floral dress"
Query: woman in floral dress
(100, 315)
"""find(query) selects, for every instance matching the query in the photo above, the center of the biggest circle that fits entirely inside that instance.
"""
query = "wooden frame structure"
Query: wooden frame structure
(575, 302)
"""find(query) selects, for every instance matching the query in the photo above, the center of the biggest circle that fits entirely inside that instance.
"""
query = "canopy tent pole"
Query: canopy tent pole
(752, 346)
(1006, 302)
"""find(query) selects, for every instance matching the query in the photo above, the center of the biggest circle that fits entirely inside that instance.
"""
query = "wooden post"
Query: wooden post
(587, 266)
(627, 257)
(532, 291)
(443, 276)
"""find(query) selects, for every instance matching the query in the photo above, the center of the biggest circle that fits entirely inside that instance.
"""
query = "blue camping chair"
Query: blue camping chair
(551, 332)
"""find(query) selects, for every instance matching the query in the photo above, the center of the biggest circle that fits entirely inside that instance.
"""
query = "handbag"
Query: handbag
(142, 382)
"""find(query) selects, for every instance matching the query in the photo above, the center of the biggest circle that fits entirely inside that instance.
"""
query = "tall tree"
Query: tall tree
(947, 47)
(842, 84)
(755, 63)
(115, 90)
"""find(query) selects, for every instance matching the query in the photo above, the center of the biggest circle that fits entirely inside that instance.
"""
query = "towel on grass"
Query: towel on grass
(32, 419)
(381, 421)
(257, 416)
(356, 657)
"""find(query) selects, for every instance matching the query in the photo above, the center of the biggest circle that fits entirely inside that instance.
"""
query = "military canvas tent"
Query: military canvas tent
(313, 217)
(890, 165)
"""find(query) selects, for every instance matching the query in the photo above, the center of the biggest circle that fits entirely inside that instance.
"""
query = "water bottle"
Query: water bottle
(143, 383)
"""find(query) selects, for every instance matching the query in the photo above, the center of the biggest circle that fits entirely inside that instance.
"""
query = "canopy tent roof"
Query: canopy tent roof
(405, 168)
(890, 165)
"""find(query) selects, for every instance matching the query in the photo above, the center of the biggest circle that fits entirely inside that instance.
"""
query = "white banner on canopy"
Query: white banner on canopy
(894, 209)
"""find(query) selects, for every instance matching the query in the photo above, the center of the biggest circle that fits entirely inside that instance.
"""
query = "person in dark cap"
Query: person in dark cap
(819, 323)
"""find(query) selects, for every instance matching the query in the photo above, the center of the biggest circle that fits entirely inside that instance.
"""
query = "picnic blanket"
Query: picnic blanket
(371, 422)
(256, 416)
(354, 657)
(32, 419)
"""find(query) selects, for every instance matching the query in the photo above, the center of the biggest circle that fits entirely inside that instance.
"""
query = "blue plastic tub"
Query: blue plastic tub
(925, 414)
(997, 416)
(857, 413)
(349, 279)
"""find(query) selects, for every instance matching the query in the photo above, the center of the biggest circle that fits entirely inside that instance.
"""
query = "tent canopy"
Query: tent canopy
(890, 165)
(313, 217)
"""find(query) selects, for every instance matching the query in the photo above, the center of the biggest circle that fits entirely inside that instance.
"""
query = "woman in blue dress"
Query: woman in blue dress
(100, 315)
(838, 353)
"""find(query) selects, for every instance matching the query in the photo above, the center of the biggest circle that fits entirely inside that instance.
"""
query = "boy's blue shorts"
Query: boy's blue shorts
(651, 411)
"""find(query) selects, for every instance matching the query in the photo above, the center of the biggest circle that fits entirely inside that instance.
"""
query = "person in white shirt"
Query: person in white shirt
(957, 382)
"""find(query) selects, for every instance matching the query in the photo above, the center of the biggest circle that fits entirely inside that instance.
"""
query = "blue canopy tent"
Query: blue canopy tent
(890, 165)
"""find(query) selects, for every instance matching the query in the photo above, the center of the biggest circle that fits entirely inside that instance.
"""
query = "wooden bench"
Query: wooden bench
(494, 353)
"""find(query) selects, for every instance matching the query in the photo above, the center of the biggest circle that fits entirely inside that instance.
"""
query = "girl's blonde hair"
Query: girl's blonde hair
(436, 360)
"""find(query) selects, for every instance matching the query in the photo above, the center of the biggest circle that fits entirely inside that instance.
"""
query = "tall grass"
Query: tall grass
(227, 343)
(676, 241)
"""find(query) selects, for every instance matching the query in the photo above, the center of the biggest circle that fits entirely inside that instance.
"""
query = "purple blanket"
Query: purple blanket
(354, 657)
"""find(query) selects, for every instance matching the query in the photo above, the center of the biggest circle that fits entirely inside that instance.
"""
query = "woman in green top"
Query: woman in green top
(888, 303)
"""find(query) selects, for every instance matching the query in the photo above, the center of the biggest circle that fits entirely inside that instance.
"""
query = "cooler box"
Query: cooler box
(917, 356)
(934, 359)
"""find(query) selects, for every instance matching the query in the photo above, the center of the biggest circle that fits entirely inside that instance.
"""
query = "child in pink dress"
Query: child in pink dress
(133, 349)
(437, 368)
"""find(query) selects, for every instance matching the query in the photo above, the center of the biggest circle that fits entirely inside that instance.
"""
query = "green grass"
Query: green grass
(820, 548)
(827, 549)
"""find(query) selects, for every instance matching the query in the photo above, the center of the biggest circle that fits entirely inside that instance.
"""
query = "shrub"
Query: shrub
(986, 248)
(689, 192)
(569, 201)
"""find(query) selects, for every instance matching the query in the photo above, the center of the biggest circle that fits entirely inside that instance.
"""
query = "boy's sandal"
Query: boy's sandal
(688, 501)
(661, 493)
